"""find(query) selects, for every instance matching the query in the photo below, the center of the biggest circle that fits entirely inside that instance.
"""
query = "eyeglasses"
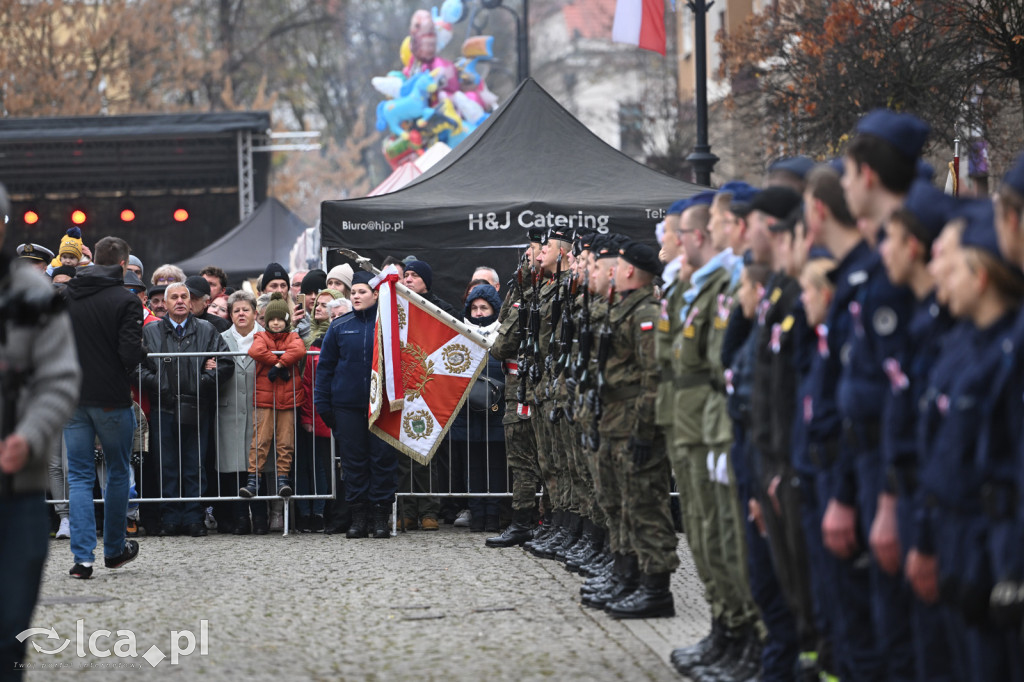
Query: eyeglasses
(165, 280)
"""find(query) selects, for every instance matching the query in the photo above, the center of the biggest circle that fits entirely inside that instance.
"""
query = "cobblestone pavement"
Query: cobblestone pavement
(423, 606)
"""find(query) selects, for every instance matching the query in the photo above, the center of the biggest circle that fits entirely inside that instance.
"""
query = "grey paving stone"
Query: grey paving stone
(420, 606)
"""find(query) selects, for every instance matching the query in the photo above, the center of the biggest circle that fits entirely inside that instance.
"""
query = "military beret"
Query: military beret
(537, 235)
(799, 166)
(741, 192)
(775, 201)
(610, 246)
(905, 133)
(788, 224)
(641, 256)
(678, 207)
(35, 252)
(560, 235)
(980, 230)
(931, 207)
(1015, 176)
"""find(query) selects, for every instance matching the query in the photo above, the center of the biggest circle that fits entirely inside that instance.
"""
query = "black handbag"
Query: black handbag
(487, 395)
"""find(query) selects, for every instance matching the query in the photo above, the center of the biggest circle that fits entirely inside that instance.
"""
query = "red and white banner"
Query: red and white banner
(424, 364)
(640, 23)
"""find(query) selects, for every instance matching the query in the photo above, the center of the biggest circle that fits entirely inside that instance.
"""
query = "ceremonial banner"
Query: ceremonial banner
(424, 364)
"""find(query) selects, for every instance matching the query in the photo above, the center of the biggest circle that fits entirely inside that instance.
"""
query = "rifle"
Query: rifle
(534, 327)
(604, 347)
(556, 313)
(524, 337)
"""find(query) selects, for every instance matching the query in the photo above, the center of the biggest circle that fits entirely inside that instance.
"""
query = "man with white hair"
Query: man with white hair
(489, 275)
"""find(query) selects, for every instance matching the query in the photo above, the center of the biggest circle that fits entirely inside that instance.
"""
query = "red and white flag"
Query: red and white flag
(640, 23)
(424, 364)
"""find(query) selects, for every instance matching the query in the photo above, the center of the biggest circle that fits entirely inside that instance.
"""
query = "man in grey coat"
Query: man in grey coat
(40, 375)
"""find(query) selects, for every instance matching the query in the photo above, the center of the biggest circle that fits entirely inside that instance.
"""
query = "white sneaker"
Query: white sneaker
(64, 532)
(463, 519)
(209, 521)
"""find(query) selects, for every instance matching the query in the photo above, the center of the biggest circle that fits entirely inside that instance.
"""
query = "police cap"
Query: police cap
(799, 166)
(1015, 176)
(35, 252)
(930, 207)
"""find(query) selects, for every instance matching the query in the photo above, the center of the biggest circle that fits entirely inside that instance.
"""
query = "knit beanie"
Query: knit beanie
(423, 270)
(274, 271)
(314, 281)
(277, 309)
(343, 272)
(71, 243)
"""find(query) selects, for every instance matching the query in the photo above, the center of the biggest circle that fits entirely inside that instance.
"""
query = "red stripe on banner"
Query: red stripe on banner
(652, 26)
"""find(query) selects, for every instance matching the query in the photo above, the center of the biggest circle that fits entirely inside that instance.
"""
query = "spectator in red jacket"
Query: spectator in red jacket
(278, 392)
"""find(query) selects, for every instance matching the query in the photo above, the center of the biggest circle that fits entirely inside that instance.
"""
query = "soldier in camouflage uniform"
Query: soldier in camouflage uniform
(520, 443)
(633, 464)
(554, 265)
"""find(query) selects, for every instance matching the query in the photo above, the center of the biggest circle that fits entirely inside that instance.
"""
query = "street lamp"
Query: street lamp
(702, 160)
(522, 30)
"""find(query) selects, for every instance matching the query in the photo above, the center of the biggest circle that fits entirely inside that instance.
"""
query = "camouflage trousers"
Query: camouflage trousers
(550, 456)
(635, 500)
(581, 474)
(521, 448)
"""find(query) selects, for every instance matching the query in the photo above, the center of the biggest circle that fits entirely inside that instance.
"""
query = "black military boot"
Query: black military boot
(517, 532)
(586, 553)
(748, 665)
(381, 512)
(716, 668)
(600, 582)
(555, 538)
(624, 581)
(601, 561)
(359, 522)
(685, 659)
(583, 540)
(572, 536)
(653, 599)
(542, 533)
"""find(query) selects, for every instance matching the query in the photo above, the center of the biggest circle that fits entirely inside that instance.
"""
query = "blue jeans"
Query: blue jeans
(115, 428)
(182, 466)
(24, 525)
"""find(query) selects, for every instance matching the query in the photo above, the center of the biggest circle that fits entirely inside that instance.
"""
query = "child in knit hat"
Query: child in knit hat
(278, 393)
(70, 252)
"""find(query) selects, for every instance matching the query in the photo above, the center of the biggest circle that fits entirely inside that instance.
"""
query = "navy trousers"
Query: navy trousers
(369, 465)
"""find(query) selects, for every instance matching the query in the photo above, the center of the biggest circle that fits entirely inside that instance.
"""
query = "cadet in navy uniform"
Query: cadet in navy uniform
(1001, 451)
(986, 292)
(906, 252)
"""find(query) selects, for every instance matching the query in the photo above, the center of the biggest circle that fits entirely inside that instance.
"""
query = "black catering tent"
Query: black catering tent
(530, 164)
(267, 236)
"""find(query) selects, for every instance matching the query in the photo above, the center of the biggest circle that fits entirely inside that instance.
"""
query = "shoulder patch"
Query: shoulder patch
(885, 321)
(646, 326)
(787, 324)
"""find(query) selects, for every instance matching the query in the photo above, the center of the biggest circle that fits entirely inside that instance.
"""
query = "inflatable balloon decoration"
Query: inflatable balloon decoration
(431, 99)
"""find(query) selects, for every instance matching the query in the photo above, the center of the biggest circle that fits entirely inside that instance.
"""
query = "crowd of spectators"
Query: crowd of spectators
(241, 426)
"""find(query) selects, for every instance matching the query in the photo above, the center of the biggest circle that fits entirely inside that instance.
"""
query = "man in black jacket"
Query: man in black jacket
(183, 392)
(107, 323)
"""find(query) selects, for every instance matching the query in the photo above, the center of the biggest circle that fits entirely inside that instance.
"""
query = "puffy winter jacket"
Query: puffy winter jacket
(280, 395)
(307, 413)
(343, 373)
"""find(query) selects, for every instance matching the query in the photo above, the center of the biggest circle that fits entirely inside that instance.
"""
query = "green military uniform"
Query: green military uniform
(549, 449)
(584, 421)
(520, 444)
(640, 490)
(731, 539)
(692, 378)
